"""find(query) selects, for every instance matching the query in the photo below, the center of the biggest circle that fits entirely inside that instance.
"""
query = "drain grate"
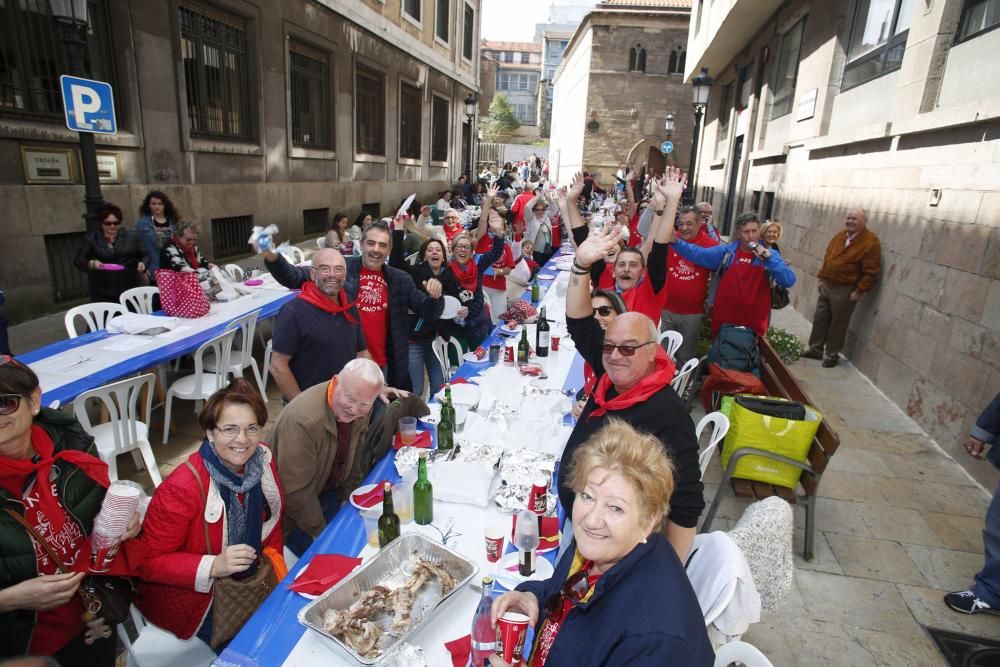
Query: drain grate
(965, 650)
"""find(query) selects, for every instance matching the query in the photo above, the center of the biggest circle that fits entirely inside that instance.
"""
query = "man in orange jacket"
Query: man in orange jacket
(850, 268)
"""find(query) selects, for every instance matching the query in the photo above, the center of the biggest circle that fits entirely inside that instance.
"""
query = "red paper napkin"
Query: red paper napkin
(423, 440)
(549, 539)
(371, 498)
(458, 381)
(460, 650)
(324, 571)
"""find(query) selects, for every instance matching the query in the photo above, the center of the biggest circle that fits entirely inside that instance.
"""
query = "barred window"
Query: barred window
(439, 125)
(442, 18)
(32, 58)
(309, 81)
(216, 74)
(410, 121)
(468, 33)
(369, 110)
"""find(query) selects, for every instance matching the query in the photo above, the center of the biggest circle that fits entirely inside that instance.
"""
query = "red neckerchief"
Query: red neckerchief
(48, 504)
(649, 385)
(466, 277)
(311, 295)
(190, 253)
(589, 379)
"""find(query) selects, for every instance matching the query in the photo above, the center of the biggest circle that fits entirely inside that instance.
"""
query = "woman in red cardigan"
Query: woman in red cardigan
(230, 485)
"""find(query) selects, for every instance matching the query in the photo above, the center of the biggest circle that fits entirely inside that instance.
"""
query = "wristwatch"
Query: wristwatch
(659, 212)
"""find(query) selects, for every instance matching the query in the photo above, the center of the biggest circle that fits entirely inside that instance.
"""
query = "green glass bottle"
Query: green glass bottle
(388, 523)
(523, 348)
(423, 494)
(446, 427)
(536, 291)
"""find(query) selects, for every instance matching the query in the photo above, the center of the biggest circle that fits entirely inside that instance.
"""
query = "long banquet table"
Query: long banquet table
(273, 636)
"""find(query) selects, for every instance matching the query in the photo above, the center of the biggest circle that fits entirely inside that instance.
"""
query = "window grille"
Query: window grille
(440, 125)
(315, 220)
(229, 236)
(309, 84)
(410, 121)
(370, 111)
(68, 282)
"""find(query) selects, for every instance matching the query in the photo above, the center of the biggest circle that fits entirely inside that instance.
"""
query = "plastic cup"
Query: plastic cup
(461, 412)
(408, 430)
(511, 629)
(554, 341)
(402, 501)
(494, 353)
(494, 542)
(370, 517)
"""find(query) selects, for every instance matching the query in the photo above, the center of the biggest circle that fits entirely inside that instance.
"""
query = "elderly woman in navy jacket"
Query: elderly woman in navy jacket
(619, 595)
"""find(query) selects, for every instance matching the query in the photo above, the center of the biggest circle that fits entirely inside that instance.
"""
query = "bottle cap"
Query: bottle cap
(487, 580)
(387, 487)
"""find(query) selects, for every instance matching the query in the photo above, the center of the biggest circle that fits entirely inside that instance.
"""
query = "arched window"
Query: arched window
(641, 62)
(637, 59)
(677, 57)
(631, 59)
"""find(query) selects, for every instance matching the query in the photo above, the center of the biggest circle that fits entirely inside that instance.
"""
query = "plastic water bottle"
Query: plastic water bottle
(484, 637)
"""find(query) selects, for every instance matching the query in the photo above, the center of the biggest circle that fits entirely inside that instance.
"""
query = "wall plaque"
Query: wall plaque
(47, 165)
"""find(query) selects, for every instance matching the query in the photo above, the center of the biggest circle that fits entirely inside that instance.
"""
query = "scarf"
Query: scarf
(468, 277)
(661, 376)
(41, 466)
(190, 253)
(311, 294)
(245, 520)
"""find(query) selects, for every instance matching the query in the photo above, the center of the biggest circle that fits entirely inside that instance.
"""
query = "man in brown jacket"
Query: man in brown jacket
(318, 441)
(850, 268)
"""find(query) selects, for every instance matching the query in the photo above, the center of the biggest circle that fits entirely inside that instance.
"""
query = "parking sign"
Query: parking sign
(89, 105)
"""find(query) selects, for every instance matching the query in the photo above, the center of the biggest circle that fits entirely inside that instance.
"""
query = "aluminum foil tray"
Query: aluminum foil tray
(383, 566)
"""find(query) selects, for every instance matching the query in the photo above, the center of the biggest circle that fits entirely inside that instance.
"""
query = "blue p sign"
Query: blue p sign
(89, 105)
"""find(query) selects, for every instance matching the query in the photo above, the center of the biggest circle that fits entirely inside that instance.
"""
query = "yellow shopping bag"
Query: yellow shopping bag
(787, 437)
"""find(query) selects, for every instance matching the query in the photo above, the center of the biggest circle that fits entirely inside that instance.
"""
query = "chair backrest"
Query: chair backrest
(293, 254)
(720, 426)
(139, 299)
(412, 259)
(673, 339)
(221, 348)
(246, 326)
(95, 315)
(441, 348)
(121, 400)
(684, 376)
(741, 652)
(321, 242)
(236, 272)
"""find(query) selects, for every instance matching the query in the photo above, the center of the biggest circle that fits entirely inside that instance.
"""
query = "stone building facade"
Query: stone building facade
(818, 107)
(615, 87)
(242, 111)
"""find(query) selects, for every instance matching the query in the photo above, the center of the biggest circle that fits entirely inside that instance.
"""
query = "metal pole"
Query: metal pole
(75, 39)
(692, 176)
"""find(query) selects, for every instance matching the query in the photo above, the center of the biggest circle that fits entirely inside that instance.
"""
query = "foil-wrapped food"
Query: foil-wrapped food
(469, 452)
(514, 498)
(518, 470)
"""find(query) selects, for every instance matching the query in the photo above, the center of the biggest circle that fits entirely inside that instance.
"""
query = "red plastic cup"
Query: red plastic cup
(494, 543)
(554, 342)
(511, 630)
(508, 354)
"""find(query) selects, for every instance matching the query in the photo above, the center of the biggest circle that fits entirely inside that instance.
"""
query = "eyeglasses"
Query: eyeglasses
(575, 589)
(252, 431)
(330, 270)
(9, 403)
(624, 350)
(113, 223)
(603, 311)
(463, 246)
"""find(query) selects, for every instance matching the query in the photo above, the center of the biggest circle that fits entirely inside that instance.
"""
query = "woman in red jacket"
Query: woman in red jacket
(231, 486)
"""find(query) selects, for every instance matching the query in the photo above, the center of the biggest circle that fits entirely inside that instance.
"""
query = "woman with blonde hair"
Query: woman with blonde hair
(619, 594)
(770, 232)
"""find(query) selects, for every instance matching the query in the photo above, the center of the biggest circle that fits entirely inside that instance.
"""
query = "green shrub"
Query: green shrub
(786, 344)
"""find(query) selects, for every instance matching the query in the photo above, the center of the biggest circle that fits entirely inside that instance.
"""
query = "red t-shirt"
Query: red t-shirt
(517, 208)
(639, 299)
(688, 282)
(506, 261)
(744, 297)
(634, 239)
(373, 306)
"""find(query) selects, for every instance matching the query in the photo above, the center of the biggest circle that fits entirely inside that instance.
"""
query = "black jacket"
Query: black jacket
(403, 297)
(128, 250)
(663, 415)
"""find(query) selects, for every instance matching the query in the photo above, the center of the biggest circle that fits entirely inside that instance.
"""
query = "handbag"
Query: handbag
(234, 601)
(181, 294)
(107, 597)
(779, 295)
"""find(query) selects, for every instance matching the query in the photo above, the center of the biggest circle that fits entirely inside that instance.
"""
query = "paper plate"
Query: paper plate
(308, 596)
(254, 282)
(473, 359)
(361, 490)
(546, 276)
(515, 330)
(510, 578)
(451, 307)
(462, 394)
(112, 267)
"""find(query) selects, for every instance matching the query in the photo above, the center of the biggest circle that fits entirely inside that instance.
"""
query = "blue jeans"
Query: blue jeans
(421, 357)
(298, 540)
(987, 586)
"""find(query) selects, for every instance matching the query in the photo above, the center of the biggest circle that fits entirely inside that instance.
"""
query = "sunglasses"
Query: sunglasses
(603, 311)
(113, 223)
(9, 403)
(624, 350)
(575, 589)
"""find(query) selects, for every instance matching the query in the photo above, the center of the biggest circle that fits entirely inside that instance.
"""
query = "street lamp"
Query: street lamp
(702, 85)
(72, 18)
(669, 125)
(471, 102)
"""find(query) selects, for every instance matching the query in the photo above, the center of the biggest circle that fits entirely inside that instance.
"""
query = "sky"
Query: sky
(513, 20)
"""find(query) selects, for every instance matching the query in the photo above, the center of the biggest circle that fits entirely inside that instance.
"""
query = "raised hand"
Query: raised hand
(491, 191)
(433, 287)
(576, 187)
(598, 245)
(672, 185)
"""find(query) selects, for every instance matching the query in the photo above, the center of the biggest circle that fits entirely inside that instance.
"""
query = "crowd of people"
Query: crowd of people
(352, 353)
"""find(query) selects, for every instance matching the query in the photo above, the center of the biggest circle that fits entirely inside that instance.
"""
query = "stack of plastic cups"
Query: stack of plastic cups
(120, 504)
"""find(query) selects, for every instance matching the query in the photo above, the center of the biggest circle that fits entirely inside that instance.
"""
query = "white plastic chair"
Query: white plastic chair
(202, 383)
(293, 254)
(684, 376)
(139, 299)
(321, 242)
(154, 647)
(125, 432)
(95, 315)
(242, 353)
(740, 652)
(266, 372)
(235, 272)
(720, 427)
(674, 340)
(441, 348)
(413, 259)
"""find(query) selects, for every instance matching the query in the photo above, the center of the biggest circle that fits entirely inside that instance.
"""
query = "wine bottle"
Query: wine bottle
(523, 347)
(446, 427)
(423, 494)
(484, 637)
(536, 291)
(542, 335)
(388, 523)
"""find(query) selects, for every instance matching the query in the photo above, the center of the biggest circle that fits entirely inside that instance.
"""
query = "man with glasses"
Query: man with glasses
(705, 210)
(316, 334)
(633, 384)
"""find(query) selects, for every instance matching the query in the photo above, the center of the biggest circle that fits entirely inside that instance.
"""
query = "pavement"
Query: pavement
(899, 525)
